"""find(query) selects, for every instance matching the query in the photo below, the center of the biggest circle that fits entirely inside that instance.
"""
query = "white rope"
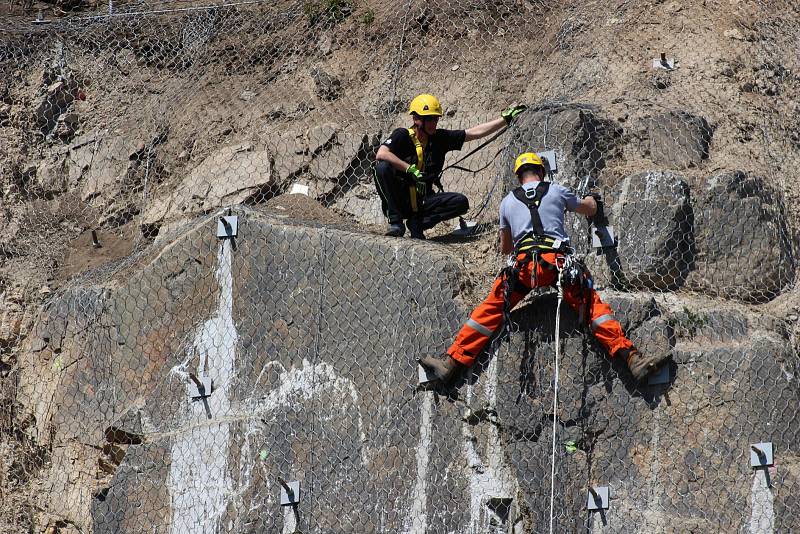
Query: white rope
(560, 288)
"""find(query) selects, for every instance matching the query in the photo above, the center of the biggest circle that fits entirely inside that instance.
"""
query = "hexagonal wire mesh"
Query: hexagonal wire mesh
(154, 378)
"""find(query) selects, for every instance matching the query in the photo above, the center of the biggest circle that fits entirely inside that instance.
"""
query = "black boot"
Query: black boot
(445, 369)
(415, 227)
(396, 229)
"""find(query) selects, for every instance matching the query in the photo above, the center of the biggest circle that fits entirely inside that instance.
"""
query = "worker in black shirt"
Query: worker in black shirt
(410, 161)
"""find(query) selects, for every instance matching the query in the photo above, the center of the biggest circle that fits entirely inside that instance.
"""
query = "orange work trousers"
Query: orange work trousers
(487, 318)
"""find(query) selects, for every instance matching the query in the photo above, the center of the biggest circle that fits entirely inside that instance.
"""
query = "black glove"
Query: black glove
(599, 219)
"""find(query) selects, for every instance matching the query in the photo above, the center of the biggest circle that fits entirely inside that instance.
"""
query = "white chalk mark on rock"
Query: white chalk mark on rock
(492, 478)
(302, 384)
(199, 482)
(762, 513)
(419, 506)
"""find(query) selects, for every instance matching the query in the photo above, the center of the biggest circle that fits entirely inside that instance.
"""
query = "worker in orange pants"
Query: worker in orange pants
(532, 228)
(488, 316)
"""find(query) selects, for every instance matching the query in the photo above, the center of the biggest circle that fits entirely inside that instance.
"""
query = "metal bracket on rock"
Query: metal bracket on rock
(424, 375)
(95, 240)
(603, 236)
(550, 156)
(761, 454)
(201, 387)
(664, 62)
(40, 19)
(227, 226)
(598, 498)
(464, 228)
(290, 492)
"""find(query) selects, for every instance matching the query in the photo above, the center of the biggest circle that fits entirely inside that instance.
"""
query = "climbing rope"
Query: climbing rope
(495, 182)
(560, 265)
(503, 149)
(455, 164)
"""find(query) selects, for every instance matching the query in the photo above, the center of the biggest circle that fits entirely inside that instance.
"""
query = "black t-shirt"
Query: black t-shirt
(439, 144)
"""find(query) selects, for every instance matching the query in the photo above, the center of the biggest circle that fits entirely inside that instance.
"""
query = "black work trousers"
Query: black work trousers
(393, 188)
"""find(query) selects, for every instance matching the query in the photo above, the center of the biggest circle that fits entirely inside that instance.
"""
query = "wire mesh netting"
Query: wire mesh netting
(205, 328)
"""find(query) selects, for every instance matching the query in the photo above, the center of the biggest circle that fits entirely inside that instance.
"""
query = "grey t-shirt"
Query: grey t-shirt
(515, 215)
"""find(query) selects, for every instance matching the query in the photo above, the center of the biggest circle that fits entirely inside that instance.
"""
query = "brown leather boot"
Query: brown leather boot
(640, 366)
(445, 369)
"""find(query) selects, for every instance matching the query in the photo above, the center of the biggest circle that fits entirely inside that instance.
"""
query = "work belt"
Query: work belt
(537, 243)
(528, 248)
(531, 247)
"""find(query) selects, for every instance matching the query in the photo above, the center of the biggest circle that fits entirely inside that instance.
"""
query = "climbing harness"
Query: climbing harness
(528, 249)
(533, 198)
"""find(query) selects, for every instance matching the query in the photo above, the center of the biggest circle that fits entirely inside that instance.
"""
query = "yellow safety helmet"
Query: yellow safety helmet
(425, 106)
(528, 158)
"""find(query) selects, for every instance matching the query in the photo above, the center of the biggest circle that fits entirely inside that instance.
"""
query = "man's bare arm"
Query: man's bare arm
(384, 154)
(506, 244)
(482, 130)
(587, 206)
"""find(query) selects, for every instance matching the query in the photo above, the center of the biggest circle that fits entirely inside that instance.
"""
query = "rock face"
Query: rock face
(660, 449)
(340, 172)
(52, 102)
(51, 177)
(309, 336)
(332, 162)
(103, 164)
(304, 373)
(677, 140)
(232, 175)
(109, 171)
(741, 235)
(328, 86)
(583, 140)
(729, 239)
(654, 221)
